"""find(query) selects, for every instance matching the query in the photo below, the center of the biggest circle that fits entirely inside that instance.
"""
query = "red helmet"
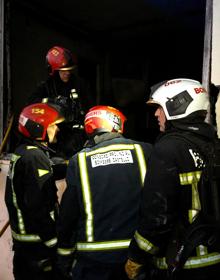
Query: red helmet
(35, 119)
(104, 119)
(59, 58)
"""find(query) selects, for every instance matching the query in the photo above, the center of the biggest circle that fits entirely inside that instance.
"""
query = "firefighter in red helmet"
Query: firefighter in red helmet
(59, 58)
(65, 88)
(98, 213)
(31, 194)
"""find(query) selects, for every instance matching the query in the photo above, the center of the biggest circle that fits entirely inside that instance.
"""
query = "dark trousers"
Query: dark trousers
(204, 273)
(27, 266)
(92, 271)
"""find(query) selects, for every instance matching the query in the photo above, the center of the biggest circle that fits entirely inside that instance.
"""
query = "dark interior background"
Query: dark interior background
(123, 48)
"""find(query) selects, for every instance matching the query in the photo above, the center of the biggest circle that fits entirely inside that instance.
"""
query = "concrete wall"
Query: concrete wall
(215, 64)
(215, 71)
(5, 239)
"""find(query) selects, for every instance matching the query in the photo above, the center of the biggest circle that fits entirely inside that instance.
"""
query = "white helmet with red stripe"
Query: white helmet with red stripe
(180, 97)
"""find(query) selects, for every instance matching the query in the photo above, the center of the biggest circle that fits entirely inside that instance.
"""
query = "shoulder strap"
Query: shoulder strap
(199, 142)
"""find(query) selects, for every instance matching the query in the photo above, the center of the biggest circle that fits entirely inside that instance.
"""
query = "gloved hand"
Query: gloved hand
(132, 269)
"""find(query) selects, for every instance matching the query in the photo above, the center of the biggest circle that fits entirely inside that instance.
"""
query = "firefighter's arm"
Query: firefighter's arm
(67, 224)
(40, 197)
(156, 215)
(140, 255)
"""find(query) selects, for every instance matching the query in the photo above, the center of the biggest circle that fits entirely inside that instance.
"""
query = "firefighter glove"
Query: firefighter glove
(132, 269)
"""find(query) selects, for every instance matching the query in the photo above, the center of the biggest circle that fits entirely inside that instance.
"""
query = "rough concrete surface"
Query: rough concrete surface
(6, 253)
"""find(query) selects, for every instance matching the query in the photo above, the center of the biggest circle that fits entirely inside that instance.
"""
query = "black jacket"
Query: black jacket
(99, 207)
(170, 198)
(54, 87)
(71, 137)
(31, 199)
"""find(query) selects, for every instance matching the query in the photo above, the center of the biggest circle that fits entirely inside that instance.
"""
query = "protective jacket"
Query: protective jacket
(31, 199)
(71, 137)
(54, 87)
(99, 207)
(171, 200)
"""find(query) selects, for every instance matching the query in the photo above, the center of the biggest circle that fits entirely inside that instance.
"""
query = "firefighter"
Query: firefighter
(98, 213)
(31, 194)
(169, 242)
(65, 88)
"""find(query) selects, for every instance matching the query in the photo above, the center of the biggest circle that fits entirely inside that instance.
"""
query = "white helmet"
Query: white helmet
(179, 97)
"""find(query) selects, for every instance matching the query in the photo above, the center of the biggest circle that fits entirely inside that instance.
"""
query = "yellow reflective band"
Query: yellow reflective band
(52, 215)
(51, 242)
(47, 268)
(86, 196)
(110, 148)
(14, 198)
(189, 178)
(201, 250)
(26, 237)
(31, 147)
(45, 264)
(192, 178)
(20, 222)
(102, 246)
(192, 262)
(141, 162)
(144, 244)
(15, 157)
(65, 252)
(42, 172)
(44, 100)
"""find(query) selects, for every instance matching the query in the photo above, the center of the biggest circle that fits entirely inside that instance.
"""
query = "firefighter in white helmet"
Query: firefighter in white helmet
(171, 202)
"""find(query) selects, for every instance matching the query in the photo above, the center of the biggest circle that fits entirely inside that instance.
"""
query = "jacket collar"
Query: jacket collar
(101, 138)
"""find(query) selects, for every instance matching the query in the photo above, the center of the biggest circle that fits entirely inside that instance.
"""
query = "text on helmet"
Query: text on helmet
(199, 90)
(38, 111)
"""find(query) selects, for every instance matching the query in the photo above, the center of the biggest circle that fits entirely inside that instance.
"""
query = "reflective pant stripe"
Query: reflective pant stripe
(65, 252)
(192, 262)
(26, 237)
(99, 246)
(33, 238)
(51, 242)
